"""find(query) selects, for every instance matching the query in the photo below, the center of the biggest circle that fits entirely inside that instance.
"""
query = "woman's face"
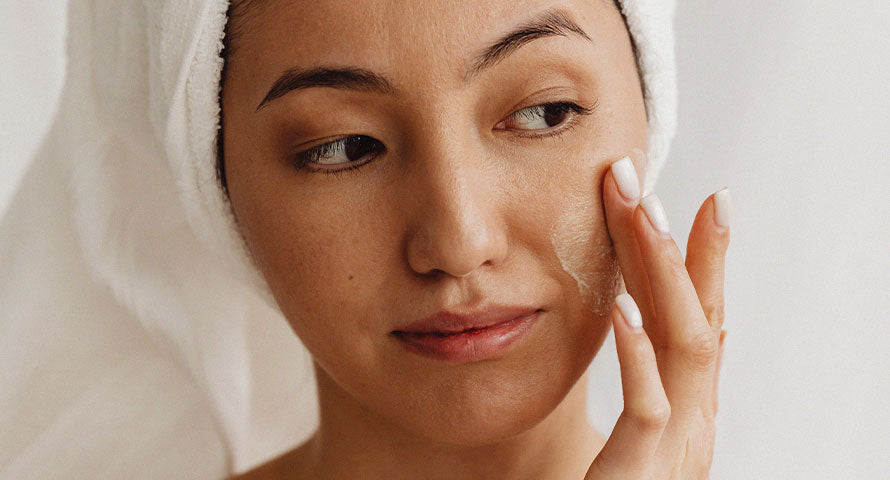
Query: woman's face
(434, 174)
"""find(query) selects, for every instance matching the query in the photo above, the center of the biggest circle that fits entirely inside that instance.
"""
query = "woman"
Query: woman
(437, 198)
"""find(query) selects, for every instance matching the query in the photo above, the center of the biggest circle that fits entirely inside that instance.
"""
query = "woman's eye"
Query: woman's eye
(349, 150)
(541, 117)
(339, 152)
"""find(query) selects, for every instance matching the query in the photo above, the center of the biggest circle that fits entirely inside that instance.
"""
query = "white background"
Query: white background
(788, 104)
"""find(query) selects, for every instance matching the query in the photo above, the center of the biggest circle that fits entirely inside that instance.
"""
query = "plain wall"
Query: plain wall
(788, 104)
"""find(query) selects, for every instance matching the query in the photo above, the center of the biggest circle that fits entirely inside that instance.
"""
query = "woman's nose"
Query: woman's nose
(456, 226)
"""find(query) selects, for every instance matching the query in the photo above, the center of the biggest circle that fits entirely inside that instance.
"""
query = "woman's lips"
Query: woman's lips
(471, 344)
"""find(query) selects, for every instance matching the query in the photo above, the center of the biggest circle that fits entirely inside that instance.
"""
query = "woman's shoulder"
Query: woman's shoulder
(267, 470)
(292, 465)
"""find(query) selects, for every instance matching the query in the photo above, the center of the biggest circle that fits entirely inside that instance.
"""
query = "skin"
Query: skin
(457, 212)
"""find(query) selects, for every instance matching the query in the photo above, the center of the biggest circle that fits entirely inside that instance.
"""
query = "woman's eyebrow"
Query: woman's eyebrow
(550, 23)
(348, 78)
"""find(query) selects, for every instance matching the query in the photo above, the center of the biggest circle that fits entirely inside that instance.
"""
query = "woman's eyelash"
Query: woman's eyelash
(301, 160)
(566, 126)
(340, 171)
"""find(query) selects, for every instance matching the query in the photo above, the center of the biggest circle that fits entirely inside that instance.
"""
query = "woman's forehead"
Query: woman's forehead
(456, 38)
(443, 22)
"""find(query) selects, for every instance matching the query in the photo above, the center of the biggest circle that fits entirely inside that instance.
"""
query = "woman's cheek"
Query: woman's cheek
(570, 229)
(327, 282)
(580, 242)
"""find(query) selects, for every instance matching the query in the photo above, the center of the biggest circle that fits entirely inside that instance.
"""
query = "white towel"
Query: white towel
(133, 327)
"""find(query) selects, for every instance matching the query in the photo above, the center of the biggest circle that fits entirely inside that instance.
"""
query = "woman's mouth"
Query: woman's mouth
(455, 344)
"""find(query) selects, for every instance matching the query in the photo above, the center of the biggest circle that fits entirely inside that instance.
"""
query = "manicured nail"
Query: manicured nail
(655, 211)
(722, 207)
(628, 308)
(625, 176)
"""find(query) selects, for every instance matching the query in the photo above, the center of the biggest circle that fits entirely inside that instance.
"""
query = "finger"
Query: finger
(628, 452)
(701, 444)
(717, 373)
(684, 344)
(621, 195)
(677, 308)
(699, 450)
(705, 254)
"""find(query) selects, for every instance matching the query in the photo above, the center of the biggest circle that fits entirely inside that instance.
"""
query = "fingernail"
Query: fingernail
(625, 176)
(722, 207)
(655, 211)
(628, 308)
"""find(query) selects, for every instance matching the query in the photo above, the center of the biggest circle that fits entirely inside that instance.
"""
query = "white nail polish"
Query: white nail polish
(626, 177)
(722, 207)
(655, 211)
(628, 308)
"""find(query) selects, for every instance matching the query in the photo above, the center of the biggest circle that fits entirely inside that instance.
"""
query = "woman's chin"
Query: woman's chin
(482, 415)
(478, 430)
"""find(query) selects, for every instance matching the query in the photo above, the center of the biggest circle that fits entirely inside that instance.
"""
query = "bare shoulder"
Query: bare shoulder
(291, 465)
(267, 470)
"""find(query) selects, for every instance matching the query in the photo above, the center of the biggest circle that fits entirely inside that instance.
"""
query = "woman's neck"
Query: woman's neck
(351, 443)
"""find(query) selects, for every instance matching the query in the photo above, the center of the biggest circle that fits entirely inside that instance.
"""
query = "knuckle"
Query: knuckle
(654, 417)
(702, 350)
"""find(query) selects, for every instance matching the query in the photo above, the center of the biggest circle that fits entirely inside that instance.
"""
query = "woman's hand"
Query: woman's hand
(666, 430)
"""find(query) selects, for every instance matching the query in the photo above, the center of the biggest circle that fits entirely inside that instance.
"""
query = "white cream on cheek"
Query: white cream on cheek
(584, 250)
(584, 256)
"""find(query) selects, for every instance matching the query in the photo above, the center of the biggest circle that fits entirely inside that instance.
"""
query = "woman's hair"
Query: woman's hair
(234, 26)
(238, 11)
